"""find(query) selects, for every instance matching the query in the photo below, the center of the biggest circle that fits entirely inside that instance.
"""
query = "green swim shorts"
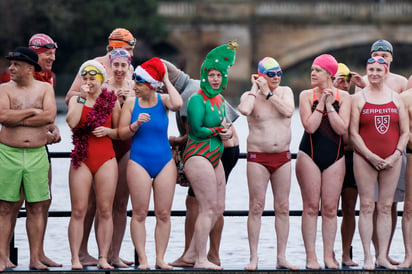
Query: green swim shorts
(25, 168)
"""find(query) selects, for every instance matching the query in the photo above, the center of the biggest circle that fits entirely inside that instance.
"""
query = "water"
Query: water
(234, 247)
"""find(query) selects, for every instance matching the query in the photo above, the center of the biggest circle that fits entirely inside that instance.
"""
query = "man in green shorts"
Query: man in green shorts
(27, 108)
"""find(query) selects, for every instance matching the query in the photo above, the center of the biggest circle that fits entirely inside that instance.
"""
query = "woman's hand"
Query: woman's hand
(100, 131)
(377, 162)
(84, 89)
(143, 118)
(226, 133)
(391, 160)
(122, 95)
(327, 96)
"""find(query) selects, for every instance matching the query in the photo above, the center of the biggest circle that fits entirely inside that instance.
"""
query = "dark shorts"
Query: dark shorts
(229, 159)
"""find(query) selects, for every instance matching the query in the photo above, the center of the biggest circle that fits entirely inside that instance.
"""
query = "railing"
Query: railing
(174, 213)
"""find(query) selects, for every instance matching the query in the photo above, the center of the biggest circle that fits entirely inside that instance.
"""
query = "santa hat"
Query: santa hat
(152, 72)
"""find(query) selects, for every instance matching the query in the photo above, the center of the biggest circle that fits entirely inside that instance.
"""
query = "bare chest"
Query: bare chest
(24, 100)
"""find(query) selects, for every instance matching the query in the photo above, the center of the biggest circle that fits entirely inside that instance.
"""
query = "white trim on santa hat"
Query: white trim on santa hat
(148, 78)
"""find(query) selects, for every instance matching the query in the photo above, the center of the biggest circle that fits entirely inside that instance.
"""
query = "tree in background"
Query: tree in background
(80, 28)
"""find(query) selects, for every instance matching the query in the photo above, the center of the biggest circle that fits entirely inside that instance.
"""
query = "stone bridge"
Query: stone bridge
(290, 31)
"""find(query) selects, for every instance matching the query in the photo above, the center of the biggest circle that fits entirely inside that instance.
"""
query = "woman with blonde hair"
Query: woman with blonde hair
(93, 120)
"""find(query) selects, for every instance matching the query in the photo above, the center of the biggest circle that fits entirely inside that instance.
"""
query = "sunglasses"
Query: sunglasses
(138, 78)
(129, 42)
(272, 74)
(46, 46)
(91, 72)
(378, 60)
(381, 48)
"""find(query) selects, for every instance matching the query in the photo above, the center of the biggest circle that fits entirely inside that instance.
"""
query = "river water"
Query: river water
(234, 246)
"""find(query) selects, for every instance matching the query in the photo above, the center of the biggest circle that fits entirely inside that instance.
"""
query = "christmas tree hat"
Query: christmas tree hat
(221, 59)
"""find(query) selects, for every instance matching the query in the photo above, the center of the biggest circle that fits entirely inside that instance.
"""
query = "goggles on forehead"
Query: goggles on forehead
(377, 60)
(46, 46)
(119, 54)
(91, 72)
(129, 42)
(380, 47)
(272, 74)
(115, 53)
(138, 78)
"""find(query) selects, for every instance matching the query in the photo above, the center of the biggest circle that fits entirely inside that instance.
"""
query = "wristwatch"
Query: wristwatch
(269, 95)
(81, 100)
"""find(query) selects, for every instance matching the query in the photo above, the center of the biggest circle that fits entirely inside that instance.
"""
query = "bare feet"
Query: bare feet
(207, 265)
(385, 264)
(10, 264)
(392, 261)
(3, 265)
(77, 266)
(143, 264)
(118, 263)
(104, 264)
(253, 264)
(313, 265)
(331, 263)
(407, 263)
(284, 264)
(163, 265)
(143, 267)
(368, 264)
(126, 261)
(214, 259)
(88, 260)
(49, 262)
(348, 262)
(179, 262)
(38, 266)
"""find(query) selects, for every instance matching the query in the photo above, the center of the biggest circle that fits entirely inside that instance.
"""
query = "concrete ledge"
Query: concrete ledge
(132, 270)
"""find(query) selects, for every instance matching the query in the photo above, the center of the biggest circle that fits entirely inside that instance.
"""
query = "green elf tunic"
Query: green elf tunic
(206, 107)
(205, 116)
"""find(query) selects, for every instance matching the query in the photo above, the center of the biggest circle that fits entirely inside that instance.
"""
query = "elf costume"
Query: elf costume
(206, 107)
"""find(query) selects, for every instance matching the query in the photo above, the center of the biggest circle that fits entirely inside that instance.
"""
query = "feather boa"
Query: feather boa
(95, 118)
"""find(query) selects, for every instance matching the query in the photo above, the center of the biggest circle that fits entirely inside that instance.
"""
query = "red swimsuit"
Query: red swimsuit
(378, 127)
(100, 149)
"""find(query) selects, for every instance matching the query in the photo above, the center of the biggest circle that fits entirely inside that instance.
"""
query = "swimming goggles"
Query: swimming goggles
(381, 47)
(119, 53)
(91, 72)
(129, 42)
(377, 60)
(138, 78)
(272, 74)
(46, 46)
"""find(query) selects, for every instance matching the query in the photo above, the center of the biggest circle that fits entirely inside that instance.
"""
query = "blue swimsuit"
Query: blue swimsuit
(150, 144)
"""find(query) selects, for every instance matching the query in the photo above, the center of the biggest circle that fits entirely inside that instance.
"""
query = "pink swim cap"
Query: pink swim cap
(328, 62)
(41, 42)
